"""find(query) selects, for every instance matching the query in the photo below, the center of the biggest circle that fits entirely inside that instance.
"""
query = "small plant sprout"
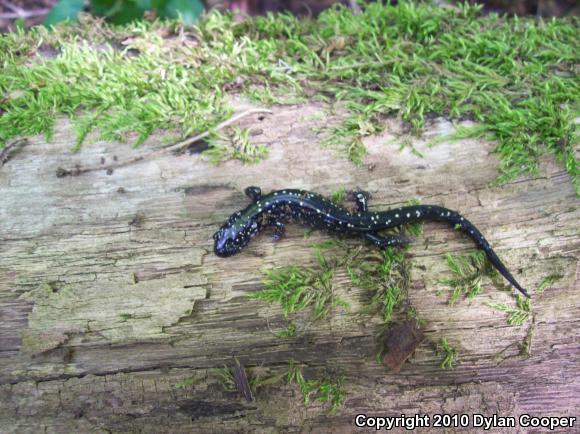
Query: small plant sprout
(338, 196)
(289, 332)
(327, 389)
(519, 315)
(234, 145)
(548, 281)
(449, 354)
(468, 273)
(297, 288)
(385, 276)
(414, 229)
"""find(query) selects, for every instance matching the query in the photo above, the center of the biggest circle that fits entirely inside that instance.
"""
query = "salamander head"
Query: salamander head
(233, 235)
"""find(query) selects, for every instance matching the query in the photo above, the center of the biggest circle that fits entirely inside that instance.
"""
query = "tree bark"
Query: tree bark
(114, 309)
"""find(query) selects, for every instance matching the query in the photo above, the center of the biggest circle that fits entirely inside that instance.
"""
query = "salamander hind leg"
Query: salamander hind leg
(384, 241)
(361, 200)
(253, 192)
(279, 230)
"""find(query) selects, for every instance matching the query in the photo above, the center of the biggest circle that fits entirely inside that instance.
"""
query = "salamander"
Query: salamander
(282, 206)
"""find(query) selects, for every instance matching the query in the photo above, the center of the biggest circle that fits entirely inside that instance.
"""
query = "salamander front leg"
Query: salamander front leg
(279, 230)
(253, 192)
(361, 199)
(384, 241)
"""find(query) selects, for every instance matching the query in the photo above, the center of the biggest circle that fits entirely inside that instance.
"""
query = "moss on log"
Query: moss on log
(115, 313)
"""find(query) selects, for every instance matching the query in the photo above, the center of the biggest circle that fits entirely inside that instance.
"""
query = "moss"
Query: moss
(414, 229)
(225, 377)
(188, 382)
(234, 145)
(524, 346)
(289, 332)
(516, 77)
(468, 273)
(385, 275)
(297, 288)
(548, 281)
(125, 316)
(338, 196)
(257, 379)
(326, 389)
(519, 315)
(448, 352)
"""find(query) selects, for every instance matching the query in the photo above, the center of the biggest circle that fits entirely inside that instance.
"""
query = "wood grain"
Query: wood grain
(110, 295)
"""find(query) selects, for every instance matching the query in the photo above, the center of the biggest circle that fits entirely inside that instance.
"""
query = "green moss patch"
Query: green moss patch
(519, 315)
(385, 277)
(448, 353)
(297, 288)
(329, 388)
(468, 273)
(516, 77)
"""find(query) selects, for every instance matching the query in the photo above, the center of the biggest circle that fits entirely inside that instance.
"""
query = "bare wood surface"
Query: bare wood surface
(111, 298)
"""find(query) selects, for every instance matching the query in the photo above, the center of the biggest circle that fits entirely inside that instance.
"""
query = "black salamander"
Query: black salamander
(279, 207)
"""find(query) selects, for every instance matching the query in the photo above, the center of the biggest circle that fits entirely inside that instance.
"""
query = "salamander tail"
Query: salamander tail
(436, 213)
(470, 230)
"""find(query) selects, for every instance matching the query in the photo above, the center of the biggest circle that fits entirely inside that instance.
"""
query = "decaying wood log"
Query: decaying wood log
(114, 310)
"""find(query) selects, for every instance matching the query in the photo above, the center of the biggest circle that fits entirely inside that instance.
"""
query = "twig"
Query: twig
(242, 383)
(11, 6)
(9, 147)
(355, 7)
(224, 124)
(61, 172)
(18, 12)
(361, 65)
(24, 14)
